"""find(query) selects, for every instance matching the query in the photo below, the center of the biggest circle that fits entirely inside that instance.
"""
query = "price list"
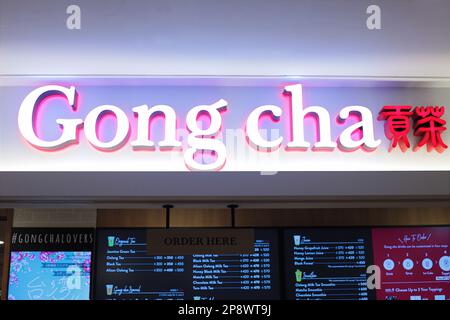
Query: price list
(328, 264)
(125, 270)
(215, 275)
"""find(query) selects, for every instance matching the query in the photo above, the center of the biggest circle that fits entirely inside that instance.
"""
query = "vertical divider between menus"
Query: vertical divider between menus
(373, 293)
(92, 292)
(7, 254)
(281, 265)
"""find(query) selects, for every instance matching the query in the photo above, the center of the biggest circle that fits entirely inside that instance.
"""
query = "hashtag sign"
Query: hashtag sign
(14, 238)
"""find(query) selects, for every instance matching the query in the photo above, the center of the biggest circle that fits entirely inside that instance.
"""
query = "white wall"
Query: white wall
(233, 37)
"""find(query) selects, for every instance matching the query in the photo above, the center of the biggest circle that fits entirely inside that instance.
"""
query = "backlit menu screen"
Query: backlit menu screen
(414, 263)
(327, 263)
(43, 275)
(124, 270)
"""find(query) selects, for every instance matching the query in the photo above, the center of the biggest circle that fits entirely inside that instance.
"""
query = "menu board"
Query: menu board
(125, 270)
(50, 264)
(45, 275)
(327, 263)
(414, 262)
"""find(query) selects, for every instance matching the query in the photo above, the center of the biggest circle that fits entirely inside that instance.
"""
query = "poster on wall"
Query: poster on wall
(128, 269)
(327, 263)
(50, 264)
(414, 262)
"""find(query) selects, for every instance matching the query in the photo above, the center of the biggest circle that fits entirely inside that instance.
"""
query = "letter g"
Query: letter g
(26, 117)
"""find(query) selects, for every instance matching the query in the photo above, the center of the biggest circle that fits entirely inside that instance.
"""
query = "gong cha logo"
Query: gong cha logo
(426, 121)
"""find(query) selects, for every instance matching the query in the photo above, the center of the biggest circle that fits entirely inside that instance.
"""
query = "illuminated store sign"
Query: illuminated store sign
(74, 128)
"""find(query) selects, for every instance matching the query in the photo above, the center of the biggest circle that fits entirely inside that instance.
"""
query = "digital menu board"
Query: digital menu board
(50, 264)
(125, 270)
(327, 263)
(414, 262)
(45, 275)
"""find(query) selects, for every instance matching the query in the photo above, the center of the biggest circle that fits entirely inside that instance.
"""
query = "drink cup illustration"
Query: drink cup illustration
(109, 289)
(111, 241)
(298, 276)
(297, 240)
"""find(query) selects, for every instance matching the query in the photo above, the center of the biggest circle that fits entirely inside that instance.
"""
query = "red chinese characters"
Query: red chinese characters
(397, 124)
(428, 124)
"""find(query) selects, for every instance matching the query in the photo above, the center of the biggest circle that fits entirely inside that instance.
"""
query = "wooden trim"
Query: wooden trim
(130, 218)
(8, 214)
(192, 217)
(214, 217)
(343, 217)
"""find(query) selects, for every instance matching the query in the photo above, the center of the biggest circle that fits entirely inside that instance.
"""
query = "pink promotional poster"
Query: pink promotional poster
(414, 262)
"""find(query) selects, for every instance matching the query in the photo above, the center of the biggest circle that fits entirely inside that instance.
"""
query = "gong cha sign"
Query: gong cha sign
(426, 123)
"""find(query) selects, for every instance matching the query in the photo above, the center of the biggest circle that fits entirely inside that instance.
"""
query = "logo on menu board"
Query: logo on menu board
(354, 124)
